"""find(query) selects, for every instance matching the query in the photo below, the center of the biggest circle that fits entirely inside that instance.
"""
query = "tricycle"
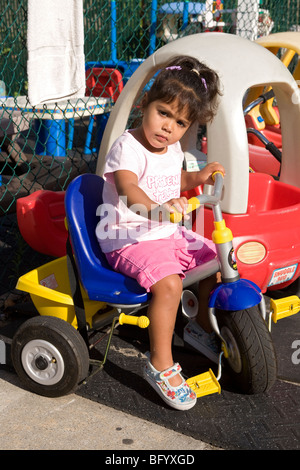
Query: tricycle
(76, 295)
(78, 292)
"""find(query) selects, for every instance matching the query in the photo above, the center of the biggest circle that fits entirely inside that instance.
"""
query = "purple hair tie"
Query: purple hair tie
(174, 67)
(204, 83)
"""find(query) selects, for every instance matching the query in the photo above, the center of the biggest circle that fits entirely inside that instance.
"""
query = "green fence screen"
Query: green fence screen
(118, 34)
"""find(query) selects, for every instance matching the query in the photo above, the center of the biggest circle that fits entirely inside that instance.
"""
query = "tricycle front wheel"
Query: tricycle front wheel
(49, 356)
(251, 360)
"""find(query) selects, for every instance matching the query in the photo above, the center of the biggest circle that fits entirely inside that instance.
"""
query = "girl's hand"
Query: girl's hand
(209, 170)
(180, 204)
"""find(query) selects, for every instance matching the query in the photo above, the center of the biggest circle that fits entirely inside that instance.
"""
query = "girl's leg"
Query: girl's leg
(162, 312)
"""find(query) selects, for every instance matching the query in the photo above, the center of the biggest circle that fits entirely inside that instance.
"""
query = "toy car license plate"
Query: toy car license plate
(283, 274)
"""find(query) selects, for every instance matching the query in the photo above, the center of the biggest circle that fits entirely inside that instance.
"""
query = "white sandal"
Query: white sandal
(181, 397)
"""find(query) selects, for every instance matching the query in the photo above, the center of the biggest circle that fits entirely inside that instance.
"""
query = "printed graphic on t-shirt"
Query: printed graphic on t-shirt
(163, 188)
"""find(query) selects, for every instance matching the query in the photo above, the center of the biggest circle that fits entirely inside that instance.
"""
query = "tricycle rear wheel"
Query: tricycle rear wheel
(252, 361)
(49, 356)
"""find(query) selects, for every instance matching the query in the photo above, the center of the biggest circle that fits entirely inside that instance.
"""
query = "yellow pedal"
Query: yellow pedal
(142, 322)
(204, 384)
(282, 308)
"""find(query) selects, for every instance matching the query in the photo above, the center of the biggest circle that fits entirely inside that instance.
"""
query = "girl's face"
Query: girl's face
(162, 125)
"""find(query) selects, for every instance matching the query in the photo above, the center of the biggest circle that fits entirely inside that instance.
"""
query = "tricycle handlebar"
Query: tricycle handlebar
(195, 202)
(260, 100)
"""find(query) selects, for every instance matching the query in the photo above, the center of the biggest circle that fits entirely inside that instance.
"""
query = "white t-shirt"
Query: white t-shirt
(159, 176)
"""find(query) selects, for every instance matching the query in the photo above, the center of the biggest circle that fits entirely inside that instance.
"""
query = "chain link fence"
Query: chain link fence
(118, 35)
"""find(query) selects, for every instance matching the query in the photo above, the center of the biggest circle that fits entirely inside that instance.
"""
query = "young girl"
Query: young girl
(143, 180)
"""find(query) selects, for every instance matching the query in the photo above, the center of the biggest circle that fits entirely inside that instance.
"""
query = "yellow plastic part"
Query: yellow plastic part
(288, 57)
(142, 321)
(225, 350)
(204, 384)
(267, 110)
(50, 292)
(282, 308)
(176, 216)
(253, 94)
(215, 173)
(221, 234)
(268, 113)
(296, 73)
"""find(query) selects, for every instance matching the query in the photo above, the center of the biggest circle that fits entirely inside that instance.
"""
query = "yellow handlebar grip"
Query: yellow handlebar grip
(142, 322)
(193, 204)
(175, 216)
(216, 172)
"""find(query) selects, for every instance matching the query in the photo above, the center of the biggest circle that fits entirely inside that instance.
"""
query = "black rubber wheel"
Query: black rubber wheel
(49, 356)
(252, 361)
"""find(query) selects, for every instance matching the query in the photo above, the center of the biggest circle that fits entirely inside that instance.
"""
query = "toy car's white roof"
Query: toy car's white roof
(241, 64)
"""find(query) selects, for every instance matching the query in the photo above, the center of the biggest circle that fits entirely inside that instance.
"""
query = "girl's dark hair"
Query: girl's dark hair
(194, 85)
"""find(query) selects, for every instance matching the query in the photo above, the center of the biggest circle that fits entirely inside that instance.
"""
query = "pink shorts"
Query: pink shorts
(150, 261)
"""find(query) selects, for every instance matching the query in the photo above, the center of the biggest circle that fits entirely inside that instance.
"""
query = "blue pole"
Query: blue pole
(113, 23)
(153, 27)
(185, 17)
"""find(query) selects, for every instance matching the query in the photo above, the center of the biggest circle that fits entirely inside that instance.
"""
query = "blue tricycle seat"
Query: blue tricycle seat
(83, 196)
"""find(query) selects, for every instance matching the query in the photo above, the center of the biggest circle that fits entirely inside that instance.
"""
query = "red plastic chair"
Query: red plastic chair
(105, 82)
